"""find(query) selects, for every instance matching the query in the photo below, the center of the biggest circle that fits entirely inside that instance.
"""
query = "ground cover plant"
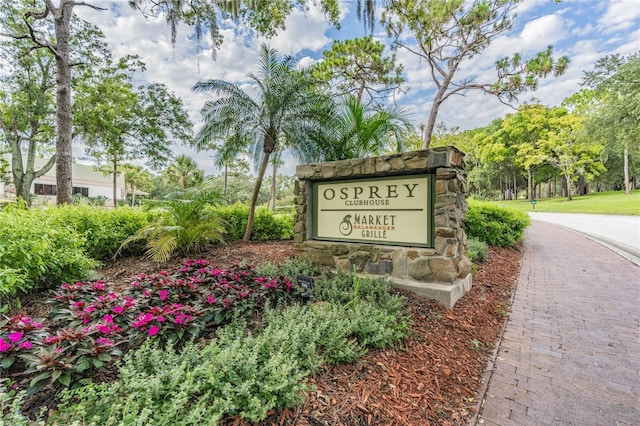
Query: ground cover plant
(160, 316)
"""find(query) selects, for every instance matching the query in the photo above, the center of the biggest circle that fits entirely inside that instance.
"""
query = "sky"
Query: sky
(584, 30)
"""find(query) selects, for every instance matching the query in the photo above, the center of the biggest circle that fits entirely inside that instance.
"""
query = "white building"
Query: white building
(86, 181)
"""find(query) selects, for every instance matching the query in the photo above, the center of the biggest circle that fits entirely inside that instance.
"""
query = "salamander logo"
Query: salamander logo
(345, 226)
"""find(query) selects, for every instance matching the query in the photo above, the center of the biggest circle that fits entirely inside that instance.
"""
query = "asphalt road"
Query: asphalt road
(619, 233)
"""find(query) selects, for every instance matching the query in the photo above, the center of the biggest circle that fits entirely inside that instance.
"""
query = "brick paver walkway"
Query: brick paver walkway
(571, 348)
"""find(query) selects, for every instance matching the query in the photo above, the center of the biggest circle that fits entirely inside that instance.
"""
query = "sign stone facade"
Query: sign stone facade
(399, 215)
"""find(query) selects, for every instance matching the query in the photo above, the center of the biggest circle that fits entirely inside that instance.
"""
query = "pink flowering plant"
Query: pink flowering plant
(94, 324)
(18, 335)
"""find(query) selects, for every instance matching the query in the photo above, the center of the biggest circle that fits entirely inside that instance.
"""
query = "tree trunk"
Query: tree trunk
(582, 186)
(431, 124)
(115, 182)
(224, 193)
(254, 196)
(530, 190)
(62, 17)
(627, 184)
(568, 178)
(22, 179)
(273, 186)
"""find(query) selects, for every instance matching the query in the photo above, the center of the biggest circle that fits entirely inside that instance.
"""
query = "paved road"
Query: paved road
(620, 233)
(570, 354)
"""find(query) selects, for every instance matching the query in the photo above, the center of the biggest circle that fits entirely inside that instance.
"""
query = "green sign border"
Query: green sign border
(430, 209)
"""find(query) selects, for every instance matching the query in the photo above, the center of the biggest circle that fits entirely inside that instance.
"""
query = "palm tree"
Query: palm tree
(356, 130)
(186, 223)
(281, 114)
(135, 178)
(186, 171)
(226, 154)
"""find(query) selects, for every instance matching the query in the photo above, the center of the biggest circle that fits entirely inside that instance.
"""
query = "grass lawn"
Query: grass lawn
(613, 202)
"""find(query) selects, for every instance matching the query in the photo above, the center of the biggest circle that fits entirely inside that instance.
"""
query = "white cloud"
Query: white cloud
(631, 44)
(620, 15)
(304, 30)
(541, 32)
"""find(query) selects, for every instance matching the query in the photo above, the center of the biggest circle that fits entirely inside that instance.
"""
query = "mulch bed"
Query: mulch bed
(432, 378)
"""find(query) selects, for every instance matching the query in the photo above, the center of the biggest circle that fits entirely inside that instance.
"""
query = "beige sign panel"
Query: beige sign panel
(382, 211)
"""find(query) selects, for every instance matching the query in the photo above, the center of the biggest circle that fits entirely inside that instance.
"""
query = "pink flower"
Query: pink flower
(4, 346)
(146, 293)
(105, 329)
(104, 341)
(108, 319)
(25, 345)
(211, 300)
(118, 309)
(51, 339)
(15, 337)
(153, 330)
(164, 294)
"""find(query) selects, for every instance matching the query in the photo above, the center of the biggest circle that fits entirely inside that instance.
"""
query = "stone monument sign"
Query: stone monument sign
(399, 215)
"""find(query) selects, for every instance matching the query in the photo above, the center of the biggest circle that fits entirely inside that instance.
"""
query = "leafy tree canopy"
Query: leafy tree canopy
(358, 67)
(451, 32)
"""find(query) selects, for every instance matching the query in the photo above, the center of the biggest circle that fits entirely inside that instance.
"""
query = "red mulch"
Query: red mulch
(431, 379)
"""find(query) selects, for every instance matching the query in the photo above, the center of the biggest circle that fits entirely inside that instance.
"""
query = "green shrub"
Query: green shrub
(290, 268)
(476, 250)
(104, 230)
(266, 225)
(338, 288)
(235, 219)
(38, 252)
(270, 226)
(495, 226)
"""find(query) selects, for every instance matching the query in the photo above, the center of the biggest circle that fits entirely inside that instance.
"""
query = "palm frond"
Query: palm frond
(161, 249)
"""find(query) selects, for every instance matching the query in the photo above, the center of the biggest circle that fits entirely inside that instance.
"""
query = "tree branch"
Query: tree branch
(92, 6)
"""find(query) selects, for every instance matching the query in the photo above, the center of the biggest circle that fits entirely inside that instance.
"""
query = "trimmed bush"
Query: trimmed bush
(266, 225)
(104, 230)
(495, 226)
(36, 251)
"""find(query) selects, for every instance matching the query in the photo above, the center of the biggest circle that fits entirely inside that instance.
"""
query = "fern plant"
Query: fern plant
(186, 225)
